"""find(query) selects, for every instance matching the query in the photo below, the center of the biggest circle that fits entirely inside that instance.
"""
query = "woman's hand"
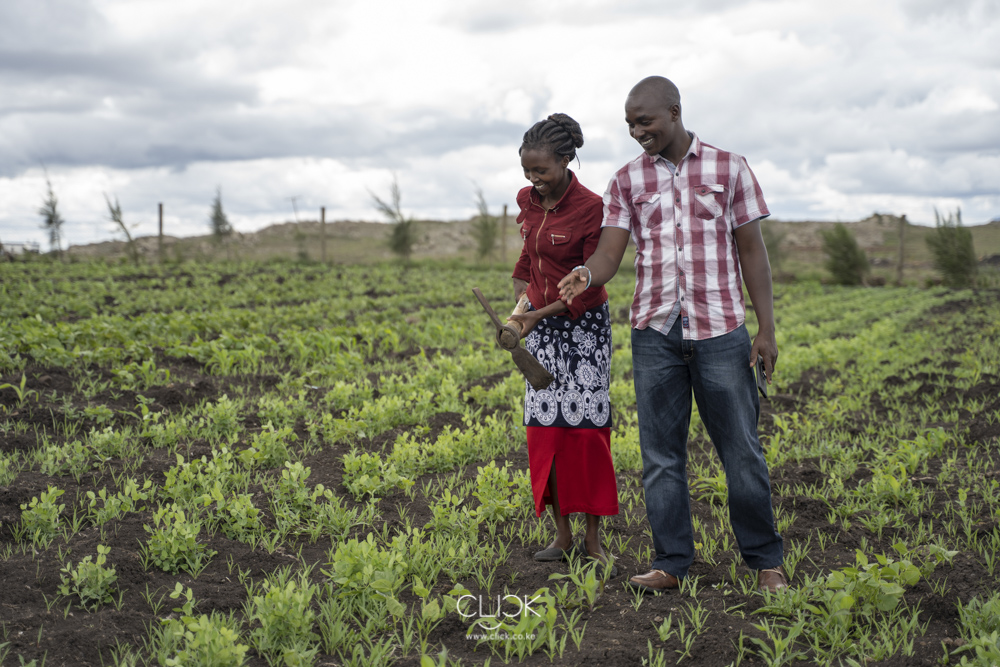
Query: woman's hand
(520, 287)
(573, 284)
(528, 321)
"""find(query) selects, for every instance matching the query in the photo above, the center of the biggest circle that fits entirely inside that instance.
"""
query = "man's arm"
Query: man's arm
(602, 265)
(757, 275)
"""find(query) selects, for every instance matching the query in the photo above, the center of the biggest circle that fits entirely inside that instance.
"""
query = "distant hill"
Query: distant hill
(359, 242)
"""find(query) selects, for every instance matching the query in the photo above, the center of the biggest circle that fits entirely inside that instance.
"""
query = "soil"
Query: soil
(41, 626)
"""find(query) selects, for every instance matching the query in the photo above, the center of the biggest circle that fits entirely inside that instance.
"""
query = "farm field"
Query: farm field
(294, 464)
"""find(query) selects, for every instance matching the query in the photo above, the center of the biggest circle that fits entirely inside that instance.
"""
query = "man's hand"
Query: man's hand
(765, 345)
(573, 284)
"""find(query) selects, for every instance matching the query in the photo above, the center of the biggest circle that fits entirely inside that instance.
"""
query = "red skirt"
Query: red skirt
(585, 473)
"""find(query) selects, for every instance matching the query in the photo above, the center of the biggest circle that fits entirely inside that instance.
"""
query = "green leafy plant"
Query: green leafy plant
(532, 628)
(103, 507)
(90, 581)
(368, 475)
(876, 585)
(359, 565)
(269, 448)
(284, 620)
(450, 516)
(236, 515)
(779, 647)
(41, 516)
(587, 584)
(173, 542)
(494, 489)
(202, 640)
(23, 394)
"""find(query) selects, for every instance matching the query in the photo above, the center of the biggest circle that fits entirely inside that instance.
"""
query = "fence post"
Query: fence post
(159, 240)
(322, 233)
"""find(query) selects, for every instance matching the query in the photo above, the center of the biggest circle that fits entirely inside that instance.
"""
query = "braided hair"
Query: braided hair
(558, 133)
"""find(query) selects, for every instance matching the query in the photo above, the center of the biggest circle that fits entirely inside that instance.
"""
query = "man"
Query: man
(694, 212)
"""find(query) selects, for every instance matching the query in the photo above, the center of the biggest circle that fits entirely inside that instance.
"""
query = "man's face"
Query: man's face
(651, 123)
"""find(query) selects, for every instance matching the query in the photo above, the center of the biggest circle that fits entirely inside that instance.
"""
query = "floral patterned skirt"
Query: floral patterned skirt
(578, 354)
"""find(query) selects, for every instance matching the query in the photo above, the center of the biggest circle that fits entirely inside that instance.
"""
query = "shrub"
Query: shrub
(403, 236)
(485, 229)
(845, 260)
(52, 221)
(218, 220)
(951, 245)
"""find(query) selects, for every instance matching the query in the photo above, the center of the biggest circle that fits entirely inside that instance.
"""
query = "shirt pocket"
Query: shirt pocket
(648, 207)
(559, 237)
(522, 218)
(709, 200)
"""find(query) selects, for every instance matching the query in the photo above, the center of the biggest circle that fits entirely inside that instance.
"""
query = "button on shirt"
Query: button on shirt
(682, 221)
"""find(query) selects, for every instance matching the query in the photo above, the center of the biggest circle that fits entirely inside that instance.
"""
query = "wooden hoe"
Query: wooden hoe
(509, 336)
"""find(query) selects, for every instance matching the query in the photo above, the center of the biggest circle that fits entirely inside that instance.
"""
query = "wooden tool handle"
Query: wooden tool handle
(519, 309)
(510, 333)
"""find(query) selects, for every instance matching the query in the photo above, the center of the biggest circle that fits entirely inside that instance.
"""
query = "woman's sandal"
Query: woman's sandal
(553, 554)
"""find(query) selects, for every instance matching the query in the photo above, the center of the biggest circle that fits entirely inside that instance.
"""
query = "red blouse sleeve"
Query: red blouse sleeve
(522, 270)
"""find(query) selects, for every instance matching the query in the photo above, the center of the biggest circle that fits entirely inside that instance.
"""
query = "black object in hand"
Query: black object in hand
(761, 378)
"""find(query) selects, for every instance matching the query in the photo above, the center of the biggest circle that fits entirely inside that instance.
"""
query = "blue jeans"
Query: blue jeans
(666, 369)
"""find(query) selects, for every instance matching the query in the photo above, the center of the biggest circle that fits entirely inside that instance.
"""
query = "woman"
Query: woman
(568, 423)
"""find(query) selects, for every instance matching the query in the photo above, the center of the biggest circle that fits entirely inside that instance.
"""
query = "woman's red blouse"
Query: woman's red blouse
(557, 240)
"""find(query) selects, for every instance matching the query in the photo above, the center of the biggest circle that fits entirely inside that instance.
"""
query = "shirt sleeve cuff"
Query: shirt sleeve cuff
(575, 309)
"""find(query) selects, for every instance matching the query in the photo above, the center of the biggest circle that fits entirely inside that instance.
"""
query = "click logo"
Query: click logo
(507, 606)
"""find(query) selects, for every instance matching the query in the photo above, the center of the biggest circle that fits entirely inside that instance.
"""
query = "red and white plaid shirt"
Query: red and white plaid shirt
(682, 221)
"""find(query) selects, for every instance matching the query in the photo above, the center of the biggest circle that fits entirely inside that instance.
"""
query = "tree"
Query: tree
(404, 230)
(218, 220)
(51, 220)
(845, 260)
(485, 229)
(115, 211)
(954, 254)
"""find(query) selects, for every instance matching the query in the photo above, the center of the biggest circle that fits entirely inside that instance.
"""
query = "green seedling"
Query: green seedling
(90, 581)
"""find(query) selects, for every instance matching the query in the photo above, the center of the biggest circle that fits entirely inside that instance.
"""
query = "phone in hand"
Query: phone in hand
(761, 377)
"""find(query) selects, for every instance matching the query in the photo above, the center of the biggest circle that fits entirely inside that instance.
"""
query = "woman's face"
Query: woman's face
(546, 171)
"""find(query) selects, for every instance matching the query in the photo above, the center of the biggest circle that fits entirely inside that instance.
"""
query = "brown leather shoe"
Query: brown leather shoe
(772, 579)
(654, 581)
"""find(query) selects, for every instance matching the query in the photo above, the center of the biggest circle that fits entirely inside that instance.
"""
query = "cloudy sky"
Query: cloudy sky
(841, 108)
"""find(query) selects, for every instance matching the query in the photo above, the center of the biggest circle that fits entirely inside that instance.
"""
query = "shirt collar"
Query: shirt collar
(535, 199)
(694, 149)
